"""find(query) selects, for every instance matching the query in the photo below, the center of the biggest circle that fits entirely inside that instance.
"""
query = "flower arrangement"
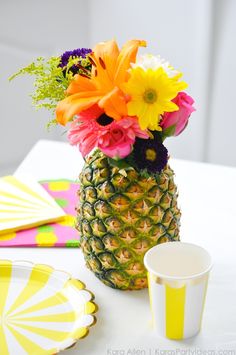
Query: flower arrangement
(115, 101)
(119, 109)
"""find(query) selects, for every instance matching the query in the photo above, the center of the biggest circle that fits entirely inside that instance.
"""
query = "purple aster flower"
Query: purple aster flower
(79, 52)
(150, 154)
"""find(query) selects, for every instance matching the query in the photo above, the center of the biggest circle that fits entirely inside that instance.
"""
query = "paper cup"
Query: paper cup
(177, 280)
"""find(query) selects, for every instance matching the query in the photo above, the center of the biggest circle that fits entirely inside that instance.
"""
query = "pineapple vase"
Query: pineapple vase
(120, 215)
(119, 109)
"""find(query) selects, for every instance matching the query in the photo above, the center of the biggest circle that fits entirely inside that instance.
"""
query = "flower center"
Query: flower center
(104, 120)
(151, 154)
(117, 135)
(150, 96)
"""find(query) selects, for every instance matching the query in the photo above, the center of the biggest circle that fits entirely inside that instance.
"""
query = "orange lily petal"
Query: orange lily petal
(105, 56)
(127, 55)
(108, 53)
(109, 71)
(79, 84)
(114, 104)
(74, 104)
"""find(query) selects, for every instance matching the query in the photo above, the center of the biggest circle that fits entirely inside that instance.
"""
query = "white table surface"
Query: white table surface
(207, 198)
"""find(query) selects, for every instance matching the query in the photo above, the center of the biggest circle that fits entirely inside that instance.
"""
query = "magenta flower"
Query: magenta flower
(177, 121)
(92, 128)
(83, 128)
(118, 140)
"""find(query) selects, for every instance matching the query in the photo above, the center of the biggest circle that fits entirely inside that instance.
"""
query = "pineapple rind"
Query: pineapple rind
(120, 216)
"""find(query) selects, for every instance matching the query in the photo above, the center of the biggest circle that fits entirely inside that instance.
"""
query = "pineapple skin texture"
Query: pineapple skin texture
(120, 217)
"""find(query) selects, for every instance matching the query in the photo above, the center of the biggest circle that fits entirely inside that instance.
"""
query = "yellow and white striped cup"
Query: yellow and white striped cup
(178, 275)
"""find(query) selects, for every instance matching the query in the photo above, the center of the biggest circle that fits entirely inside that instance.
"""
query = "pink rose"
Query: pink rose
(178, 119)
(118, 140)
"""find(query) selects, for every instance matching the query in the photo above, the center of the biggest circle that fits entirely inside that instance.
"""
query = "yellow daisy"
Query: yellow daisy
(151, 92)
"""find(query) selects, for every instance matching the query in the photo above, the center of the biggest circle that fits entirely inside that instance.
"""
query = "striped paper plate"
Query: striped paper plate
(42, 310)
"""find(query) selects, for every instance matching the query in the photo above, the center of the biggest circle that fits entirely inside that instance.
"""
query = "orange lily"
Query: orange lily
(109, 70)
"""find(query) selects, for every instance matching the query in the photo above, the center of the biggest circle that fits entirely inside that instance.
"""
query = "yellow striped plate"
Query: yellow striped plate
(42, 310)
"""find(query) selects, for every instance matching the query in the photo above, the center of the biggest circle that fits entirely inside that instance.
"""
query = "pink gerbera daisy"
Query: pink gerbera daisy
(92, 128)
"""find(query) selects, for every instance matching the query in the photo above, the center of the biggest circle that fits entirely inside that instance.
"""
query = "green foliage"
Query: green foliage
(51, 81)
(168, 132)
(129, 163)
(130, 160)
(118, 163)
(146, 174)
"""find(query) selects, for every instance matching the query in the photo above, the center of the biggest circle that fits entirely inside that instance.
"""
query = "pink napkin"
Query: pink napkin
(60, 234)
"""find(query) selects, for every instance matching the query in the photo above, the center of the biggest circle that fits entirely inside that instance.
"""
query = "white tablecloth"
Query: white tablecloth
(207, 198)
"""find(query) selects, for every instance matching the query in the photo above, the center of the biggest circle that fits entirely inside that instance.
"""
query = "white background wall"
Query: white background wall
(196, 36)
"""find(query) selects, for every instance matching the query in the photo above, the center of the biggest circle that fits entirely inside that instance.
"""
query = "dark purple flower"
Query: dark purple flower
(150, 154)
(79, 52)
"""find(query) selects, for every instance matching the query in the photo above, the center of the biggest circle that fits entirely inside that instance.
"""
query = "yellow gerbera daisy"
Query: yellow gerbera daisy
(151, 92)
